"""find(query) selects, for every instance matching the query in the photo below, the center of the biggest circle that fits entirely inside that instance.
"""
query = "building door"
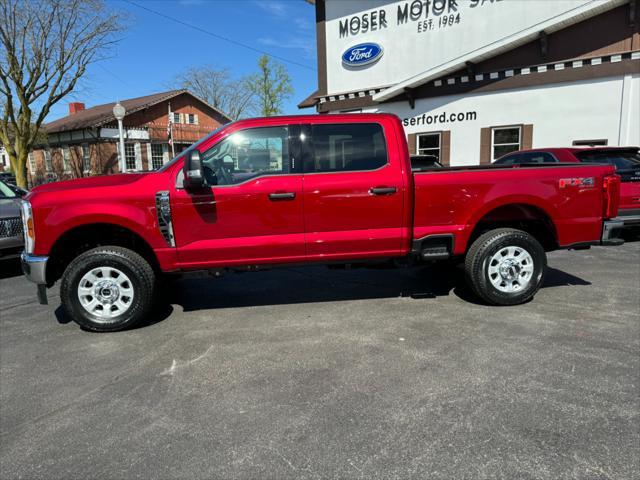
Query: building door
(353, 196)
(252, 210)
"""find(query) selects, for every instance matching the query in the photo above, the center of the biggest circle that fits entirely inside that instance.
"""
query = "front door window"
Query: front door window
(247, 154)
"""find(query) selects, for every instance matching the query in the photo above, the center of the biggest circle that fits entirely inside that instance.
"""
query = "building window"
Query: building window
(428, 144)
(86, 157)
(47, 160)
(66, 159)
(32, 164)
(4, 160)
(591, 143)
(176, 118)
(505, 140)
(157, 156)
(130, 156)
(192, 119)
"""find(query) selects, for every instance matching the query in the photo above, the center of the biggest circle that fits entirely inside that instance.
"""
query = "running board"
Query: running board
(434, 247)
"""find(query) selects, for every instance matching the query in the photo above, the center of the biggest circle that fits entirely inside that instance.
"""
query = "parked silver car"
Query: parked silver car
(11, 238)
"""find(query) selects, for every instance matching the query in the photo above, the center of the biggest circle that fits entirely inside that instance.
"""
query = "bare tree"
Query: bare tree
(271, 86)
(217, 87)
(45, 48)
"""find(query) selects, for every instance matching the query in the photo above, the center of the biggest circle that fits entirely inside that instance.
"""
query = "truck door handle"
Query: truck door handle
(383, 190)
(282, 196)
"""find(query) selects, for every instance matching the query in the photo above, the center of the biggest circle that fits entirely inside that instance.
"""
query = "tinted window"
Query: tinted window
(623, 160)
(247, 154)
(537, 157)
(528, 157)
(346, 147)
(508, 160)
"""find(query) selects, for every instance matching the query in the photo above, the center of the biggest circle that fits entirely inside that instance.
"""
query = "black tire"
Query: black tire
(136, 268)
(483, 250)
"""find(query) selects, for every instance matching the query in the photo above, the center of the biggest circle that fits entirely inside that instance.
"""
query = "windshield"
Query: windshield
(622, 159)
(6, 192)
(199, 142)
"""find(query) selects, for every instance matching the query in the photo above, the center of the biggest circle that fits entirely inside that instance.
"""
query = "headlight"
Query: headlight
(27, 226)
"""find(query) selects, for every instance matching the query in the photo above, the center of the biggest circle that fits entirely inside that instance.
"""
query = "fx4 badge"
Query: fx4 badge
(580, 182)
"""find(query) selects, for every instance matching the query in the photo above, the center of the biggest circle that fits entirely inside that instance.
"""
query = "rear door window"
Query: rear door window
(346, 147)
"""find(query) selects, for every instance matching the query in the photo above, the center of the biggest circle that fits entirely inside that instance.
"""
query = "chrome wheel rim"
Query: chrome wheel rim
(105, 293)
(510, 269)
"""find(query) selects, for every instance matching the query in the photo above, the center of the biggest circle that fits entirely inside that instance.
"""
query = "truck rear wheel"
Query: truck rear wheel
(106, 289)
(505, 266)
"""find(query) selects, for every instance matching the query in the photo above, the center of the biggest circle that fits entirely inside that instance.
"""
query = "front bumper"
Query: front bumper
(11, 247)
(35, 269)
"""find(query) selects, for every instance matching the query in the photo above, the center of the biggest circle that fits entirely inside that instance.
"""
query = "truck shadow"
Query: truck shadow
(299, 285)
(314, 284)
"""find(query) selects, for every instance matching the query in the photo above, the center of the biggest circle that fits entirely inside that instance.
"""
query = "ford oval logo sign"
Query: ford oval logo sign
(362, 54)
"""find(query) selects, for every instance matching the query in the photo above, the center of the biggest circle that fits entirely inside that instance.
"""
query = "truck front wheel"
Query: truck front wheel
(505, 266)
(107, 289)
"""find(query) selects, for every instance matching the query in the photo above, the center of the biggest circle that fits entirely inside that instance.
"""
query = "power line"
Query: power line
(120, 79)
(220, 37)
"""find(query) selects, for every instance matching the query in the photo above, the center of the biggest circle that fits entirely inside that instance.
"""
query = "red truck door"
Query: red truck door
(353, 193)
(252, 211)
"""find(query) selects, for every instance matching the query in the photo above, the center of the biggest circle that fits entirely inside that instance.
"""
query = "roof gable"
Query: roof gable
(103, 114)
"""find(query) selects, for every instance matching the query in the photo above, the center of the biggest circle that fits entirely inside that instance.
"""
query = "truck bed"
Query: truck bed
(453, 200)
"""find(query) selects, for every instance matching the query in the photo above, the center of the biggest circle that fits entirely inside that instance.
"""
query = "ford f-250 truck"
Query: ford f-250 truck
(305, 189)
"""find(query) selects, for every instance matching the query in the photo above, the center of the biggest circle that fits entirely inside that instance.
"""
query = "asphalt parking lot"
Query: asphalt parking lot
(311, 373)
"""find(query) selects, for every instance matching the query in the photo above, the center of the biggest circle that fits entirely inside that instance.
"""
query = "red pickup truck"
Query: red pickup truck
(305, 189)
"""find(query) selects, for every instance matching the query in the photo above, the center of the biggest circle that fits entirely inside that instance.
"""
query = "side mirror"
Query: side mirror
(193, 174)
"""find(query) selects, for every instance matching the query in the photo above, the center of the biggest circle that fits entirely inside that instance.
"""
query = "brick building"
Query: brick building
(85, 142)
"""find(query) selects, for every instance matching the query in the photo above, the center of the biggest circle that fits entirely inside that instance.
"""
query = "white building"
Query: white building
(475, 79)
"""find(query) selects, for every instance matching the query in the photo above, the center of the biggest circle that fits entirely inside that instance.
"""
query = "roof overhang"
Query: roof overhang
(587, 10)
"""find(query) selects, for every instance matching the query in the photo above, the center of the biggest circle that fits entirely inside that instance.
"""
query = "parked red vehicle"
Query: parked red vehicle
(625, 159)
(305, 189)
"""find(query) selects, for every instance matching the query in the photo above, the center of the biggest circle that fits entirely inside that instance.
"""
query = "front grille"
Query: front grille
(10, 227)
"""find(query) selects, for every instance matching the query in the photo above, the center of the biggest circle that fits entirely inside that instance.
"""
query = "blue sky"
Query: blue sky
(153, 50)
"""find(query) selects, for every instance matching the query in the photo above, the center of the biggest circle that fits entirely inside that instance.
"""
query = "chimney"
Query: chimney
(75, 107)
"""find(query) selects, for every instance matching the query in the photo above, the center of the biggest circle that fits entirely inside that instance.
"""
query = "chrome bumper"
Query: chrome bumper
(35, 269)
(627, 220)
(610, 231)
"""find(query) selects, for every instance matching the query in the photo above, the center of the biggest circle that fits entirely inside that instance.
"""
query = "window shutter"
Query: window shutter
(445, 147)
(196, 119)
(411, 140)
(485, 146)
(527, 137)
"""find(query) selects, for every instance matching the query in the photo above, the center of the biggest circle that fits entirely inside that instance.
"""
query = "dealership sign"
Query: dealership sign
(362, 54)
